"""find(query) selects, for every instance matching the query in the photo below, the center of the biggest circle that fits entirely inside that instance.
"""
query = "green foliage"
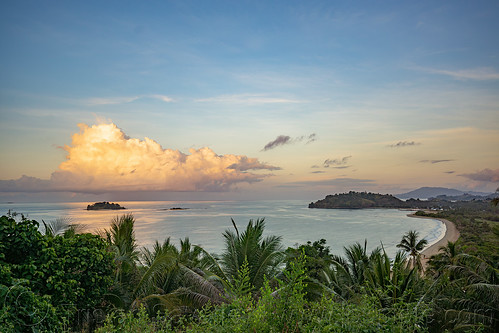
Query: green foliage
(287, 310)
(69, 273)
(133, 322)
(24, 310)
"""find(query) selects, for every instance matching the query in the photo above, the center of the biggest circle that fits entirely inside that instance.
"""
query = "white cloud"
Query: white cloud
(101, 158)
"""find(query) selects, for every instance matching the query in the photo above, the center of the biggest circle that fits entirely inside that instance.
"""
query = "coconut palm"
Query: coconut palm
(349, 272)
(174, 280)
(468, 297)
(121, 238)
(447, 256)
(392, 281)
(263, 256)
(62, 226)
(413, 247)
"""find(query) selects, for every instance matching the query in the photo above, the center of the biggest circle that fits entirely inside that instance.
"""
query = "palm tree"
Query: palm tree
(174, 280)
(392, 281)
(349, 273)
(121, 240)
(469, 295)
(121, 237)
(262, 255)
(62, 226)
(413, 247)
(447, 256)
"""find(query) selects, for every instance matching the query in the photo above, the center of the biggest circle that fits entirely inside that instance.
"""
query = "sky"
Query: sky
(246, 100)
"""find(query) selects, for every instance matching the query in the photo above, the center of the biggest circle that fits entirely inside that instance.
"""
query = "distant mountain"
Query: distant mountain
(434, 192)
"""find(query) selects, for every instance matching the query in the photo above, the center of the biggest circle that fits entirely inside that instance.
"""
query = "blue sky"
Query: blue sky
(233, 76)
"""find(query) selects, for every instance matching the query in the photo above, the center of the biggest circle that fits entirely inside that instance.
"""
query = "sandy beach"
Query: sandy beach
(451, 235)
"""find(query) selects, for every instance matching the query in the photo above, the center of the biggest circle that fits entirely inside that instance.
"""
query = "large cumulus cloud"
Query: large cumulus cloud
(101, 158)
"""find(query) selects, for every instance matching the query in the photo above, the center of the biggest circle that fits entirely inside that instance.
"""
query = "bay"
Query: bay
(205, 221)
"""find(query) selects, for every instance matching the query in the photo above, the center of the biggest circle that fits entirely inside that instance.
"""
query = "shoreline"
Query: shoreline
(451, 235)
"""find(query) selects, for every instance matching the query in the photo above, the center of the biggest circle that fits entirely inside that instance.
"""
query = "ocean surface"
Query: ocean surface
(205, 221)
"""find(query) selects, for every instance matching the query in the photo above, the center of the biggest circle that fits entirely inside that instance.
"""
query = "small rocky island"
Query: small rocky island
(104, 205)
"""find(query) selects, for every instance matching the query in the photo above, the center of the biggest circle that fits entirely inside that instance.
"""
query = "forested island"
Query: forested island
(104, 205)
(360, 200)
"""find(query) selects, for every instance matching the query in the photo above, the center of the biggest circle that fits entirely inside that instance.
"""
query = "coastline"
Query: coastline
(451, 235)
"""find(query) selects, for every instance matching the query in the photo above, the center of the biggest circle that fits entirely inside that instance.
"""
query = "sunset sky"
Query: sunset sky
(202, 100)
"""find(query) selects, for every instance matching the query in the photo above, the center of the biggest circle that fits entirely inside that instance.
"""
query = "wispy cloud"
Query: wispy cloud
(163, 98)
(485, 175)
(404, 144)
(481, 74)
(318, 172)
(110, 100)
(123, 99)
(450, 172)
(248, 99)
(435, 161)
(286, 139)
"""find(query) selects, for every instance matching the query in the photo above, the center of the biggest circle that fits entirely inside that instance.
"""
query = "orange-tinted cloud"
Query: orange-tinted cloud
(101, 158)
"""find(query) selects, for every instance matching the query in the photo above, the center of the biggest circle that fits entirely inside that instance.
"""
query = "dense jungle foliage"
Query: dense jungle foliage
(54, 278)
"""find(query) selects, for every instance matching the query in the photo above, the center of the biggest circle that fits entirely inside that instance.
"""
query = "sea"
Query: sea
(205, 221)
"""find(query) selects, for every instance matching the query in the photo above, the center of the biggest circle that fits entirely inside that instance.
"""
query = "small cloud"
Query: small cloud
(318, 172)
(286, 139)
(486, 175)
(342, 167)
(435, 161)
(449, 172)
(404, 144)
(311, 138)
(338, 161)
(315, 167)
(279, 141)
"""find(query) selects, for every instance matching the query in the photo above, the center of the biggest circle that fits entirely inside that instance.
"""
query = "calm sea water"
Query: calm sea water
(204, 221)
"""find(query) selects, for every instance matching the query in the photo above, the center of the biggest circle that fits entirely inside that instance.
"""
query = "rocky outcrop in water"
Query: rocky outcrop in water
(104, 205)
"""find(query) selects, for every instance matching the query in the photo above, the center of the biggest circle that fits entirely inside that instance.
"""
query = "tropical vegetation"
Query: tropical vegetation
(56, 278)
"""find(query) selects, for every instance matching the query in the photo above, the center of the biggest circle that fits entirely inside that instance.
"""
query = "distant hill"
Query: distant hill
(434, 192)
